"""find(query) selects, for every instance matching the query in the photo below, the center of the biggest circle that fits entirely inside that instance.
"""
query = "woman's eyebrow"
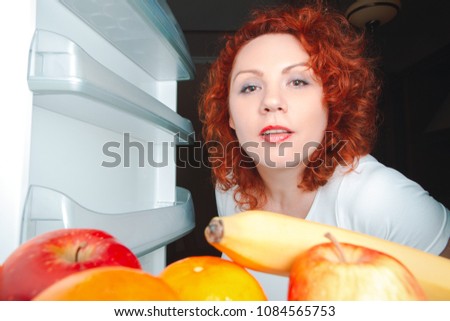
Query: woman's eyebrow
(251, 71)
(300, 64)
(260, 73)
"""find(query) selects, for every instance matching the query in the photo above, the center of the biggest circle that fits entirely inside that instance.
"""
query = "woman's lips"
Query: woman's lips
(275, 134)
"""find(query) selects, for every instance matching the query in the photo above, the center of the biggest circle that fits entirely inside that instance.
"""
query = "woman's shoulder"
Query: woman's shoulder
(379, 200)
(368, 170)
(370, 182)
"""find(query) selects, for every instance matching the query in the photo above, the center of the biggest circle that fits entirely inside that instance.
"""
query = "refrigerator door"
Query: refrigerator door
(105, 128)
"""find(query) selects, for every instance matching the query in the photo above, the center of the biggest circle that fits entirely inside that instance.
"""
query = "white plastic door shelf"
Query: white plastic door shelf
(144, 30)
(142, 231)
(58, 66)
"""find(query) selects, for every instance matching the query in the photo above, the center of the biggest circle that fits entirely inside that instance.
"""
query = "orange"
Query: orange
(111, 283)
(210, 278)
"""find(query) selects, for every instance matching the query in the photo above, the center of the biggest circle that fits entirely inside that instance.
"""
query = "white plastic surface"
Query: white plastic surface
(143, 231)
(16, 30)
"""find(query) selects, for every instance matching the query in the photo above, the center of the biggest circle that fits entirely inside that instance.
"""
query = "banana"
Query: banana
(269, 242)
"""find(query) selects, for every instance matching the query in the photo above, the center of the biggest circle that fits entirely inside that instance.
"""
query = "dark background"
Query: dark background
(414, 135)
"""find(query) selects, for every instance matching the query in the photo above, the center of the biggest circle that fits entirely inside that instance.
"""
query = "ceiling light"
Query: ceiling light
(372, 13)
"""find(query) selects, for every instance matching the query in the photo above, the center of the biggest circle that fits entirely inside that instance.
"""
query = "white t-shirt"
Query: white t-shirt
(371, 199)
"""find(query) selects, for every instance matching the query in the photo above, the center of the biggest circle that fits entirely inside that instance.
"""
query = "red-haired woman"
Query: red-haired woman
(289, 111)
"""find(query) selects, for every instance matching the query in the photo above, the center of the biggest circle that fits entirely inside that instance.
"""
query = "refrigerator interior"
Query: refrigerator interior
(104, 124)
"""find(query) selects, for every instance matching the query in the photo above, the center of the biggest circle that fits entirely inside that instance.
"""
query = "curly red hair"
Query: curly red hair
(350, 86)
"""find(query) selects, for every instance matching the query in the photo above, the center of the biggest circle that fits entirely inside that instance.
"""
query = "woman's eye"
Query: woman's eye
(249, 88)
(298, 83)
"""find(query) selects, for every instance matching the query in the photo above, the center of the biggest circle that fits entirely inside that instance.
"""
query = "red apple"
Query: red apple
(49, 257)
(339, 271)
(1, 272)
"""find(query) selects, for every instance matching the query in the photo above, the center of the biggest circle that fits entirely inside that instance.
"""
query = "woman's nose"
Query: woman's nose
(273, 101)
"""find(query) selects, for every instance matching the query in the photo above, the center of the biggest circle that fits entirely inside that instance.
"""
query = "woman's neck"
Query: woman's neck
(283, 194)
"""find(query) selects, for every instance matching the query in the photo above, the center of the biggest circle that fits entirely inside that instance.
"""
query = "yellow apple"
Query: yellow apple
(340, 271)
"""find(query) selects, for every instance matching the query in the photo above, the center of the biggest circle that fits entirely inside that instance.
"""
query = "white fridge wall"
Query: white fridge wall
(16, 30)
(67, 155)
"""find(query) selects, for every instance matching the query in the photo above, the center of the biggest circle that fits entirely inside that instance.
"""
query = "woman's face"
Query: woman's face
(275, 101)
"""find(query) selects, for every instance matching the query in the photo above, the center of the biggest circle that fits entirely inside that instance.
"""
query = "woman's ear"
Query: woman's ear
(231, 122)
